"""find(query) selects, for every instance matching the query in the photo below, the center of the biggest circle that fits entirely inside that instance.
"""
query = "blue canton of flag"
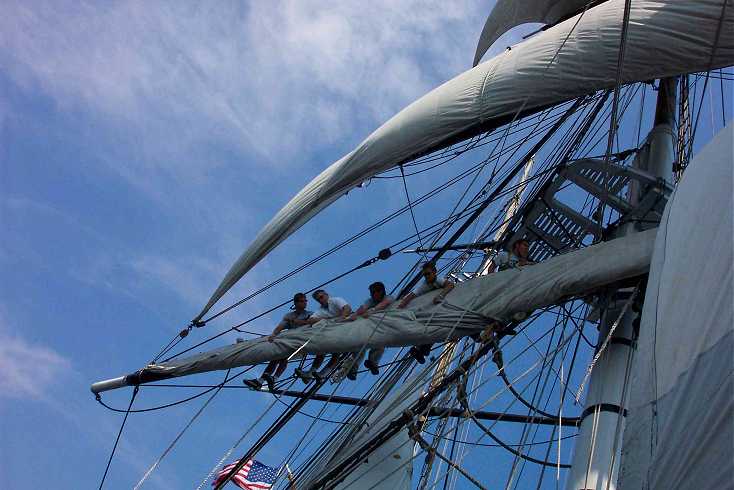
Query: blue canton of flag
(253, 475)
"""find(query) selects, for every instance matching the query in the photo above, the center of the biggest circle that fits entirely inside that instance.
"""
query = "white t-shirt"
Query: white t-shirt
(424, 288)
(333, 309)
(506, 260)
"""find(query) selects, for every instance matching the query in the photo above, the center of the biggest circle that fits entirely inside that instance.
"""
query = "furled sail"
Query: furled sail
(469, 308)
(507, 14)
(573, 58)
(679, 427)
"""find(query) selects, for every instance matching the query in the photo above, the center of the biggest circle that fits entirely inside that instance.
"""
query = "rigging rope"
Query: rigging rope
(119, 433)
(180, 434)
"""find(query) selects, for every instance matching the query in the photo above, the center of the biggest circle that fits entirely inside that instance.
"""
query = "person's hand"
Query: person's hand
(438, 299)
(366, 314)
(402, 305)
(271, 338)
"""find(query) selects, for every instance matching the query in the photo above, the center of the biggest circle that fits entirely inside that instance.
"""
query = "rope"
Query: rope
(98, 397)
(180, 434)
(415, 435)
(117, 439)
(410, 206)
(604, 344)
(461, 397)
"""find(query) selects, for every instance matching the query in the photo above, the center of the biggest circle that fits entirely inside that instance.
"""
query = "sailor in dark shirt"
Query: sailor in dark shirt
(378, 300)
(299, 317)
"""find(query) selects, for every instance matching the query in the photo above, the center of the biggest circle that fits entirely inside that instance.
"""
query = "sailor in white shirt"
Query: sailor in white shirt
(432, 282)
(518, 257)
(332, 307)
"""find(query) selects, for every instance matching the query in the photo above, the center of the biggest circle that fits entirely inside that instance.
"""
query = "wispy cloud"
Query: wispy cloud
(28, 369)
(268, 77)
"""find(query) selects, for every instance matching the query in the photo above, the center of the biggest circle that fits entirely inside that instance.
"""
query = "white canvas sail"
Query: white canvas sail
(507, 14)
(575, 57)
(680, 427)
(469, 308)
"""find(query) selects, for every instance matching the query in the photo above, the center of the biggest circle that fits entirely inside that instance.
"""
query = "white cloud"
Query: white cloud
(273, 77)
(27, 369)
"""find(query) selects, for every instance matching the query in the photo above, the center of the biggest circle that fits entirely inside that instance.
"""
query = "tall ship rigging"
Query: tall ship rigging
(581, 369)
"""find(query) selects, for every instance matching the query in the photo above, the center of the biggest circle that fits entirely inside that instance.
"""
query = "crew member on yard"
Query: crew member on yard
(432, 282)
(378, 301)
(517, 257)
(295, 319)
(332, 307)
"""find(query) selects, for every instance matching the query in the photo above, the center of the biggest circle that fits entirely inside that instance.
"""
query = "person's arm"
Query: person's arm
(345, 311)
(499, 259)
(386, 301)
(361, 311)
(406, 300)
(279, 328)
(447, 287)
(309, 321)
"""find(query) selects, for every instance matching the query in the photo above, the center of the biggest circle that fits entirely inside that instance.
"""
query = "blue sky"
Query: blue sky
(142, 146)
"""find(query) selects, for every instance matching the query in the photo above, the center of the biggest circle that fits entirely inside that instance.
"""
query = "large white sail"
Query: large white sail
(573, 58)
(680, 426)
(507, 14)
(469, 308)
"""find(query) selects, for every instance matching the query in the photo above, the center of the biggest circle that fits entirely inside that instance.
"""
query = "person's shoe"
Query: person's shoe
(270, 380)
(255, 384)
(417, 355)
(372, 367)
(305, 376)
(352, 375)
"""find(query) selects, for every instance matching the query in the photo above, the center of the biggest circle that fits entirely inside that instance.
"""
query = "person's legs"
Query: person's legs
(267, 374)
(269, 377)
(353, 361)
(317, 361)
(373, 360)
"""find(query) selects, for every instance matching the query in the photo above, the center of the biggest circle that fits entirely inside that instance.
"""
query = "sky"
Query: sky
(142, 146)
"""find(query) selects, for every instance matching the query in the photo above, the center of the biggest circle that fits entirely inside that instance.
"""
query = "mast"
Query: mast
(598, 447)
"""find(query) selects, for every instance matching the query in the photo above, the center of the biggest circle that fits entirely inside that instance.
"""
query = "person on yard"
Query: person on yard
(299, 317)
(432, 282)
(332, 307)
(517, 257)
(378, 301)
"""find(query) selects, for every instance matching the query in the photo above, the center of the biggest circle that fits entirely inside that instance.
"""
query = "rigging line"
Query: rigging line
(606, 341)
(98, 397)
(519, 460)
(517, 130)
(410, 206)
(526, 372)
(280, 423)
(486, 430)
(415, 434)
(613, 123)
(180, 434)
(723, 103)
(426, 371)
(580, 329)
(480, 444)
(623, 407)
(706, 81)
(493, 194)
(470, 363)
(119, 433)
(431, 193)
(237, 443)
(426, 400)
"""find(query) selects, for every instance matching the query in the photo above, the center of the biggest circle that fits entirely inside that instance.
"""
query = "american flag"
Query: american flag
(253, 476)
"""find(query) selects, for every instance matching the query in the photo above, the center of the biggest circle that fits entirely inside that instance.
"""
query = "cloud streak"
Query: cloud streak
(27, 370)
